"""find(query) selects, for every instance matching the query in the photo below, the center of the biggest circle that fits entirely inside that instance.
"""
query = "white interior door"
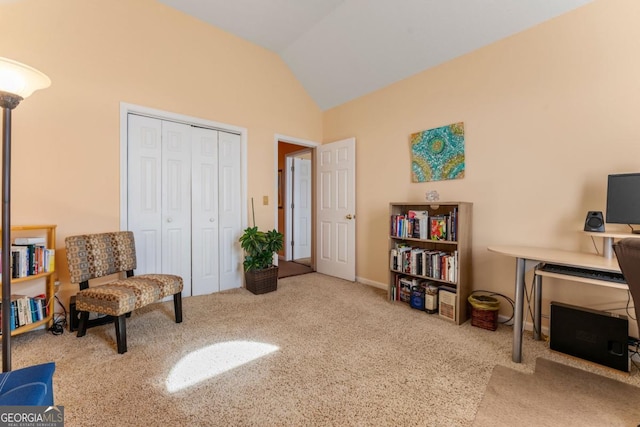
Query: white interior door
(176, 199)
(288, 210)
(144, 193)
(230, 210)
(159, 201)
(301, 208)
(204, 217)
(336, 176)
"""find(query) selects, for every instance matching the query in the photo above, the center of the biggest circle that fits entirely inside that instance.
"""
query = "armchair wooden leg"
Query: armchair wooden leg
(82, 326)
(177, 306)
(121, 333)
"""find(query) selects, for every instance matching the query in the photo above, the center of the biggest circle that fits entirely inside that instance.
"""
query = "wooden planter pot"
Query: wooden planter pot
(262, 281)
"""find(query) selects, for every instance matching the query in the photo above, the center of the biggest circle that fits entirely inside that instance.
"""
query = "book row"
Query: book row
(429, 296)
(420, 225)
(424, 262)
(30, 259)
(26, 310)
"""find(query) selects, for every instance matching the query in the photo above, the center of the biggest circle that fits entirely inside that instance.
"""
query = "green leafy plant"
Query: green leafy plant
(259, 247)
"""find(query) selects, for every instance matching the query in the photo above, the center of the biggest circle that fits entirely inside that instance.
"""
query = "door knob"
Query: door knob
(350, 217)
(212, 220)
(169, 219)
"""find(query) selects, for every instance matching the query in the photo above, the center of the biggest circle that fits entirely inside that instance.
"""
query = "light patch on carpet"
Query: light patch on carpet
(213, 360)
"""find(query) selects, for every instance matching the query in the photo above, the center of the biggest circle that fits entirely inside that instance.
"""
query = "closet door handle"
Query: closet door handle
(212, 220)
(169, 219)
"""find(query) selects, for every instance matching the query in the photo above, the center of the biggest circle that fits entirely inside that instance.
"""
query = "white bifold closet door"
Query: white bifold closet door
(184, 187)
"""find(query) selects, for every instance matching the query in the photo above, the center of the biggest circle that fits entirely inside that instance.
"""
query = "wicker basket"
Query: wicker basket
(262, 281)
(484, 311)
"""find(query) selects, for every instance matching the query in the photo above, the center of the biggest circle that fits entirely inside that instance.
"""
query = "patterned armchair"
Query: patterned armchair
(91, 256)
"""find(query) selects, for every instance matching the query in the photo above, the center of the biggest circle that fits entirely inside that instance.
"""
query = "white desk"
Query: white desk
(530, 257)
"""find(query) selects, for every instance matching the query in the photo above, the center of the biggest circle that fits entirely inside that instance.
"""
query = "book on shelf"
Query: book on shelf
(41, 305)
(438, 227)
(405, 289)
(416, 224)
(424, 262)
(420, 224)
(413, 224)
(22, 309)
(447, 302)
(13, 321)
(29, 260)
(29, 240)
(453, 227)
(26, 310)
(49, 260)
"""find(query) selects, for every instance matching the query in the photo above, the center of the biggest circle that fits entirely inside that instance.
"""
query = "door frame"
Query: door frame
(303, 143)
(126, 109)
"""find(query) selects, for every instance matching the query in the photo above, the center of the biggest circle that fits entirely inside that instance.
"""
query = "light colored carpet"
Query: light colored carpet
(345, 356)
(557, 395)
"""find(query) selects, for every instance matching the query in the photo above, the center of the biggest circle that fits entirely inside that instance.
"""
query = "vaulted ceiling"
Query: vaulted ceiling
(342, 49)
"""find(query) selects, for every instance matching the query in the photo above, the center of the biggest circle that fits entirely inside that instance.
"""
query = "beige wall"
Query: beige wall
(548, 113)
(99, 53)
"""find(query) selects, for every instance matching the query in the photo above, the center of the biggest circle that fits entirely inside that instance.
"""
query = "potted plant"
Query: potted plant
(259, 247)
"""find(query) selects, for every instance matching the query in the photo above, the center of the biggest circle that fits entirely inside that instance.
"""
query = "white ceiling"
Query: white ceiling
(342, 49)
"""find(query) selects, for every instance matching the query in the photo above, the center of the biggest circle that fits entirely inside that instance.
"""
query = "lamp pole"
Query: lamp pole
(6, 102)
(17, 82)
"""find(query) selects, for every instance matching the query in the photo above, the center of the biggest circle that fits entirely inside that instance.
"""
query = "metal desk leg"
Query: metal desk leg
(516, 353)
(607, 247)
(537, 307)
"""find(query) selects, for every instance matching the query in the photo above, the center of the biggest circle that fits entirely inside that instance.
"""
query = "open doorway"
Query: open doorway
(333, 183)
(295, 203)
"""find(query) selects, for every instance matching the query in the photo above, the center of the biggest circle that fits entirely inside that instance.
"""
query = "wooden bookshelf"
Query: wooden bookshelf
(48, 232)
(454, 246)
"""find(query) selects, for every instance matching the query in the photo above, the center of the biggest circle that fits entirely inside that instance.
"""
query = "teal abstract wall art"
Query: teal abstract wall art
(438, 154)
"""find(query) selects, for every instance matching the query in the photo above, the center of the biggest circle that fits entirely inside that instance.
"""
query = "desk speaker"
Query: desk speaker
(594, 221)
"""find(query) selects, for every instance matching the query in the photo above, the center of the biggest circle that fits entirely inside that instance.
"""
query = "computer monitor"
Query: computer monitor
(623, 199)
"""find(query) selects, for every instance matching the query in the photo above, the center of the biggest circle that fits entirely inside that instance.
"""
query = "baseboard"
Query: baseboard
(373, 283)
(528, 326)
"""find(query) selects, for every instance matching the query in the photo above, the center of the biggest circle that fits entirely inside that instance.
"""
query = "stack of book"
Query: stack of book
(430, 263)
(26, 310)
(420, 225)
(29, 256)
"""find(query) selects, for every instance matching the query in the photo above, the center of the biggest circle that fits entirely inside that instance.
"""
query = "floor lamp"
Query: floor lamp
(17, 82)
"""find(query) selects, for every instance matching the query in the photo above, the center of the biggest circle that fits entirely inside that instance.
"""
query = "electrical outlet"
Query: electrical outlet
(265, 200)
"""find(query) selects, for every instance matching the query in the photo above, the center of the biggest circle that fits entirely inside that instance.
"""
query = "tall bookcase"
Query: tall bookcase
(439, 254)
(48, 232)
